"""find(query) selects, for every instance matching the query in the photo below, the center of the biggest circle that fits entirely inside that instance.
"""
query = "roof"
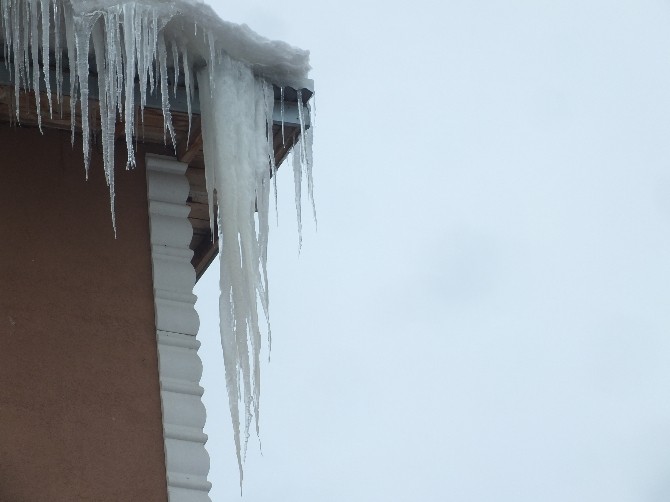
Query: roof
(284, 66)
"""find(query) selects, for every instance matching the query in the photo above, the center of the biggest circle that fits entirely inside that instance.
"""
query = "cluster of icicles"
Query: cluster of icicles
(130, 43)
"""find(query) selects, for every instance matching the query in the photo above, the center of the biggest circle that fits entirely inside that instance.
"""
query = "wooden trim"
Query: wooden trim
(190, 147)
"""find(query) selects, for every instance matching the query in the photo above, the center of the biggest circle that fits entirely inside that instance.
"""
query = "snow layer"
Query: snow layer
(140, 42)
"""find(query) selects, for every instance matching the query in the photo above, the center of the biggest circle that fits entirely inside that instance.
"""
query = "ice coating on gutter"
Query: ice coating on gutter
(136, 44)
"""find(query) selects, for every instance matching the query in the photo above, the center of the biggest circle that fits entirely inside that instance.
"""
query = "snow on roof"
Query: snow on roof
(276, 60)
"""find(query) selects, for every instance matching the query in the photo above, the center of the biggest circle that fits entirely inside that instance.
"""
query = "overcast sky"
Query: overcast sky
(483, 313)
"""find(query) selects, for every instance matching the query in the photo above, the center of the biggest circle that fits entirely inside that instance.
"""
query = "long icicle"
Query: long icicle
(129, 40)
(34, 53)
(46, 70)
(238, 171)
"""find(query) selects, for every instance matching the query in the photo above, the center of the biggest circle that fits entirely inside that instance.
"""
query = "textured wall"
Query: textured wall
(80, 414)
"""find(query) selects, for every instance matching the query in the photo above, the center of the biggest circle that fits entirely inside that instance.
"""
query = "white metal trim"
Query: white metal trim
(179, 366)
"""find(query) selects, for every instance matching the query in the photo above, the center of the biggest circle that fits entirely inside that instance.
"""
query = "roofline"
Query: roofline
(178, 103)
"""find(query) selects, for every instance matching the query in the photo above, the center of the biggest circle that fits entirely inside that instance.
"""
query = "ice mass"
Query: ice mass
(50, 46)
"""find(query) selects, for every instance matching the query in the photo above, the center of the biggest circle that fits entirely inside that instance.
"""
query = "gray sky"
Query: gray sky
(483, 312)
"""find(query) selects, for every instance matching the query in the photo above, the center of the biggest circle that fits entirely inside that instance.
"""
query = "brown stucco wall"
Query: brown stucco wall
(80, 411)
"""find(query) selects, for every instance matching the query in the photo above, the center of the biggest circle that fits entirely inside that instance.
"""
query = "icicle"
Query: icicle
(297, 180)
(82, 35)
(107, 88)
(129, 39)
(302, 163)
(6, 30)
(212, 52)
(142, 51)
(175, 67)
(281, 108)
(70, 40)
(299, 161)
(210, 146)
(305, 151)
(238, 170)
(26, 46)
(46, 68)
(312, 109)
(34, 53)
(309, 161)
(269, 105)
(114, 58)
(58, 55)
(263, 201)
(16, 56)
(301, 121)
(165, 96)
(188, 84)
(214, 152)
(150, 55)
